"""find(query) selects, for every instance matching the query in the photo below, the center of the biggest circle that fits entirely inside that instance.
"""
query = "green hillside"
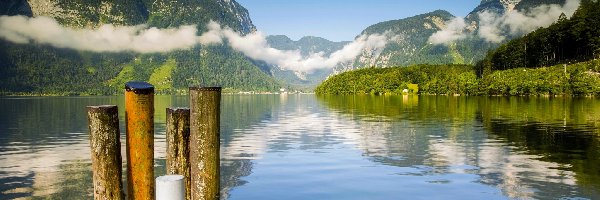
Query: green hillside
(559, 60)
(579, 79)
(36, 69)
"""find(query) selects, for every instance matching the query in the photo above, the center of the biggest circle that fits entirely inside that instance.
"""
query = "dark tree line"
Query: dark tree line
(566, 41)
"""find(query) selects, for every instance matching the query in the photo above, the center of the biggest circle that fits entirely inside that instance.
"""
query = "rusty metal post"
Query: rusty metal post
(103, 124)
(205, 106)
(139, 119)
(178, 151)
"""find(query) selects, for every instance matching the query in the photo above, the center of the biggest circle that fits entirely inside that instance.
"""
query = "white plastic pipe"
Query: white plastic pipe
(170, 187)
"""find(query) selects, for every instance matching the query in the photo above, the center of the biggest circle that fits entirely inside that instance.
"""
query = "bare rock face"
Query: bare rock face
(409, 44)
(240, 13)
(45, 8)
(160, 13)
(507, 4)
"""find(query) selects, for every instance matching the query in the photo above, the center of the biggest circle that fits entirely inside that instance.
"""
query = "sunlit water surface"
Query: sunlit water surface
(334, 147)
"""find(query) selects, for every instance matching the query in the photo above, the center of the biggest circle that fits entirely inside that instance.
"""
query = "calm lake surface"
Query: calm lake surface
(334, 147)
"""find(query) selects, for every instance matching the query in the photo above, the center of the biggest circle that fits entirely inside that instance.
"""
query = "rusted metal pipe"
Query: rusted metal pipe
(178, 151)
(103, 124)
(205, 108)
(139, 119)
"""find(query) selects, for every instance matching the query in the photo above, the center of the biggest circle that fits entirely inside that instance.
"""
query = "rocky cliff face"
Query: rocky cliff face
(408, 44)
(240, 13)
(499, 6)
(159, 13)
(86, 14)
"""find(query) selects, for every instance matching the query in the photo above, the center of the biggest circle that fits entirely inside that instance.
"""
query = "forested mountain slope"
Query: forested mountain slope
(42, 69)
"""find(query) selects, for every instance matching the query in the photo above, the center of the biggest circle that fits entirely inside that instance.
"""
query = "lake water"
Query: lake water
(335, 147)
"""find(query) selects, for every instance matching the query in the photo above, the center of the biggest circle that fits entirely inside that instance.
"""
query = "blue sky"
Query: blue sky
(340, 20)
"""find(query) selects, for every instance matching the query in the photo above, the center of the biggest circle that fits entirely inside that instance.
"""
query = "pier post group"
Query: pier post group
(192, 136)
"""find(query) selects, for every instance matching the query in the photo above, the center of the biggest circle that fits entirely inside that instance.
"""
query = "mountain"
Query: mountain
(43, 69)
(410, 42)
(561, 59)
(408, 46)
(497, 6)
(504, 6)
(306, 46)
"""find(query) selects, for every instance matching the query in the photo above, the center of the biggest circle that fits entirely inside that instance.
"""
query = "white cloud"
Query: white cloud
(495, 28)
(106, 38)
(454, 30)
(109, 38)
(489, 28)
(255, 46)
(541, 16)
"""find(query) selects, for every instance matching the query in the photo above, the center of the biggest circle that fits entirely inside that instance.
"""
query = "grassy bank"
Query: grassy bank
(579, 79)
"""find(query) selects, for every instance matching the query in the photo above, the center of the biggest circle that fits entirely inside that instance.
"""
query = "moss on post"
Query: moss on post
(105, 145)
(178, 151)
(139, 119)
(205, 106)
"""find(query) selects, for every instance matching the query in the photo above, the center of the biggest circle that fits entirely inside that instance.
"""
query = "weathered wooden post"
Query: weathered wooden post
(205, 105)
(139, 119)
(170, 187)
(103, 124)
(178, 151)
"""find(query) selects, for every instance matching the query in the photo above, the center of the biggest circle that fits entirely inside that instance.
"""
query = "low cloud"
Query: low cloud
(106, 38)
(255, 46)
(496, 28)
(454, 30)
(110, 38)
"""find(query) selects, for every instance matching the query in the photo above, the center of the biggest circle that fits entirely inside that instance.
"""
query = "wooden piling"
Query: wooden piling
(178, 151)
(103, 124)
(205, 108)
(139, 119)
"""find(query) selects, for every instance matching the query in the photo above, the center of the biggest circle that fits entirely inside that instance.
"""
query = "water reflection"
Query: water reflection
(44, 146)
(335, 147)
(528, 147)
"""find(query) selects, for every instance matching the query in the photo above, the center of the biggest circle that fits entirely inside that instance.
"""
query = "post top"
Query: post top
(169, 178)
(101, 107)
(178, 110)
(206, 88)
(139, 87)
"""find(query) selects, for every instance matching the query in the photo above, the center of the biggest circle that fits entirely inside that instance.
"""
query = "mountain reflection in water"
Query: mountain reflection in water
(335, 147)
